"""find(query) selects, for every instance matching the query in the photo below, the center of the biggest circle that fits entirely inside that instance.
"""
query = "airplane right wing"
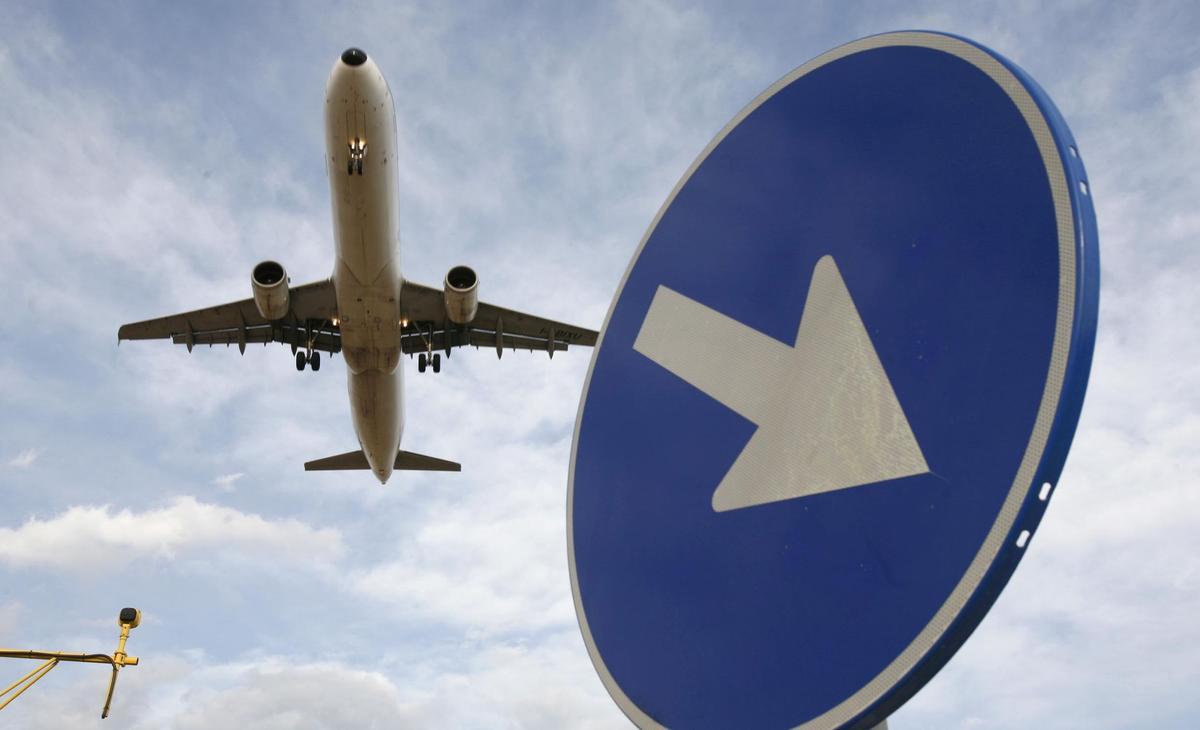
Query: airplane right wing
(312, 311)
(429, 329)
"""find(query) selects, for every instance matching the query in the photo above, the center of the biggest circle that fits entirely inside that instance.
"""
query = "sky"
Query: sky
(153, 153)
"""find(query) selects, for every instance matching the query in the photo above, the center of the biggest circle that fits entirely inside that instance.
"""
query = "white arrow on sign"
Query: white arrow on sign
(826, 413)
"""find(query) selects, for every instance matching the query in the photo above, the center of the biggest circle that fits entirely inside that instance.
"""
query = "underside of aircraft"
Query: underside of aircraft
(366, 310)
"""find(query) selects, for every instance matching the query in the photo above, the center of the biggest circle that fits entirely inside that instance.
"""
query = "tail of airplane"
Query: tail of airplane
(405, 461)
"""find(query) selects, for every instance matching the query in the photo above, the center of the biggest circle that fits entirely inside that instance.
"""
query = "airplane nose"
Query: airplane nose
(354, 57)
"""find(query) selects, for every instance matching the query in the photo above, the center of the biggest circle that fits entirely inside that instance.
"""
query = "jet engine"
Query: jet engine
(270, 284)
(461, 294)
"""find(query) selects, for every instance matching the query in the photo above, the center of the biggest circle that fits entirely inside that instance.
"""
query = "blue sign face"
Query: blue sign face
(834, 391)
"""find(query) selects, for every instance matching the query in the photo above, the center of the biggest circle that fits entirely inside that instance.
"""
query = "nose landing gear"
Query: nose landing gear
(358, 152)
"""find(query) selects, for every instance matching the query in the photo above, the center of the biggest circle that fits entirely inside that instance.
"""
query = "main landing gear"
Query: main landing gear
(313, 359)
(424, 361)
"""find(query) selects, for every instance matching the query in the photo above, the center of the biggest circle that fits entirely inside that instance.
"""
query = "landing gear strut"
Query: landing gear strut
(429, 357)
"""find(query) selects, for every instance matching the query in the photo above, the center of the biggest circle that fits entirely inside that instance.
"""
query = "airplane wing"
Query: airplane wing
(425, 310)
(313, 309)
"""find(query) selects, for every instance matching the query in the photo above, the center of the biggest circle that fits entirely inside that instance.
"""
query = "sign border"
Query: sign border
(1057, 416)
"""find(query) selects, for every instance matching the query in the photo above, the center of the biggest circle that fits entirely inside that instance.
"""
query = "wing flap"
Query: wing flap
(443, 339)
(324, 340)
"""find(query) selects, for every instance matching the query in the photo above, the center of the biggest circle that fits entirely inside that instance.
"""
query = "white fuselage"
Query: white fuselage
(366, 275)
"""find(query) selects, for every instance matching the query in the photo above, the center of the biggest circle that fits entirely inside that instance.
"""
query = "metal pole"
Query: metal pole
(28, 681)
(129, 618)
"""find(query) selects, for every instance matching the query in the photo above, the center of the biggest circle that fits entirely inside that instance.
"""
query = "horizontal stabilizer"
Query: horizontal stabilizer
(409, 461)
(405, 460)
(342, 462)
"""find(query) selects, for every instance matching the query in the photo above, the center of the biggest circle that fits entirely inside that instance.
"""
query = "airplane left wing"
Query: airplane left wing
(312, 311)
(429, 328)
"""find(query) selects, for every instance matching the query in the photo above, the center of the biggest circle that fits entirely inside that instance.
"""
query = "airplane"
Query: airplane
(367, 310)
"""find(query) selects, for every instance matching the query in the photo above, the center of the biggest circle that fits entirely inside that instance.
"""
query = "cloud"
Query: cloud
(84, 538)
(225, 482)
(185, 692)
(276, 694)
(491, 562)
(538, 686)
(546, 683)
(25, 459)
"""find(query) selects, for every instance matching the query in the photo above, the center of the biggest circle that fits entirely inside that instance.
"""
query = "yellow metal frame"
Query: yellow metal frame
(118, 660)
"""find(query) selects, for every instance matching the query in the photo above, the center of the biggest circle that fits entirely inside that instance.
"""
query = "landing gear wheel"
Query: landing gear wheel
(314, 360)
(358, 166)
(421, 363)
(437, 363)
(350, 166)
(300, 360)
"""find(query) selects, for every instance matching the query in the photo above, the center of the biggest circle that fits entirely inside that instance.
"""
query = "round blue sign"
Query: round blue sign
(834, 391)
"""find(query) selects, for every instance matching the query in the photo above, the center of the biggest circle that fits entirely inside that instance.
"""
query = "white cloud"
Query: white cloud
(225, 482)
(84, 537)
(183, 692)
(276, 694)
(25, 459)
(539, 687)
(493, 561)
(527, 684)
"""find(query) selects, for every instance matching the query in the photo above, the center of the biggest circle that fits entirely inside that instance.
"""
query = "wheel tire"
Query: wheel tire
(437, 363)
(421, 363)
(300, 360)
(315, 361)
(358, 166)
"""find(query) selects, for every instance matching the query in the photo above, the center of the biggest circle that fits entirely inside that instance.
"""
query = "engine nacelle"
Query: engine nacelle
(270, 284)
(461, 294)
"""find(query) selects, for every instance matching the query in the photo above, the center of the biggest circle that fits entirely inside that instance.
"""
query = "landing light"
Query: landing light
(404, 323)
